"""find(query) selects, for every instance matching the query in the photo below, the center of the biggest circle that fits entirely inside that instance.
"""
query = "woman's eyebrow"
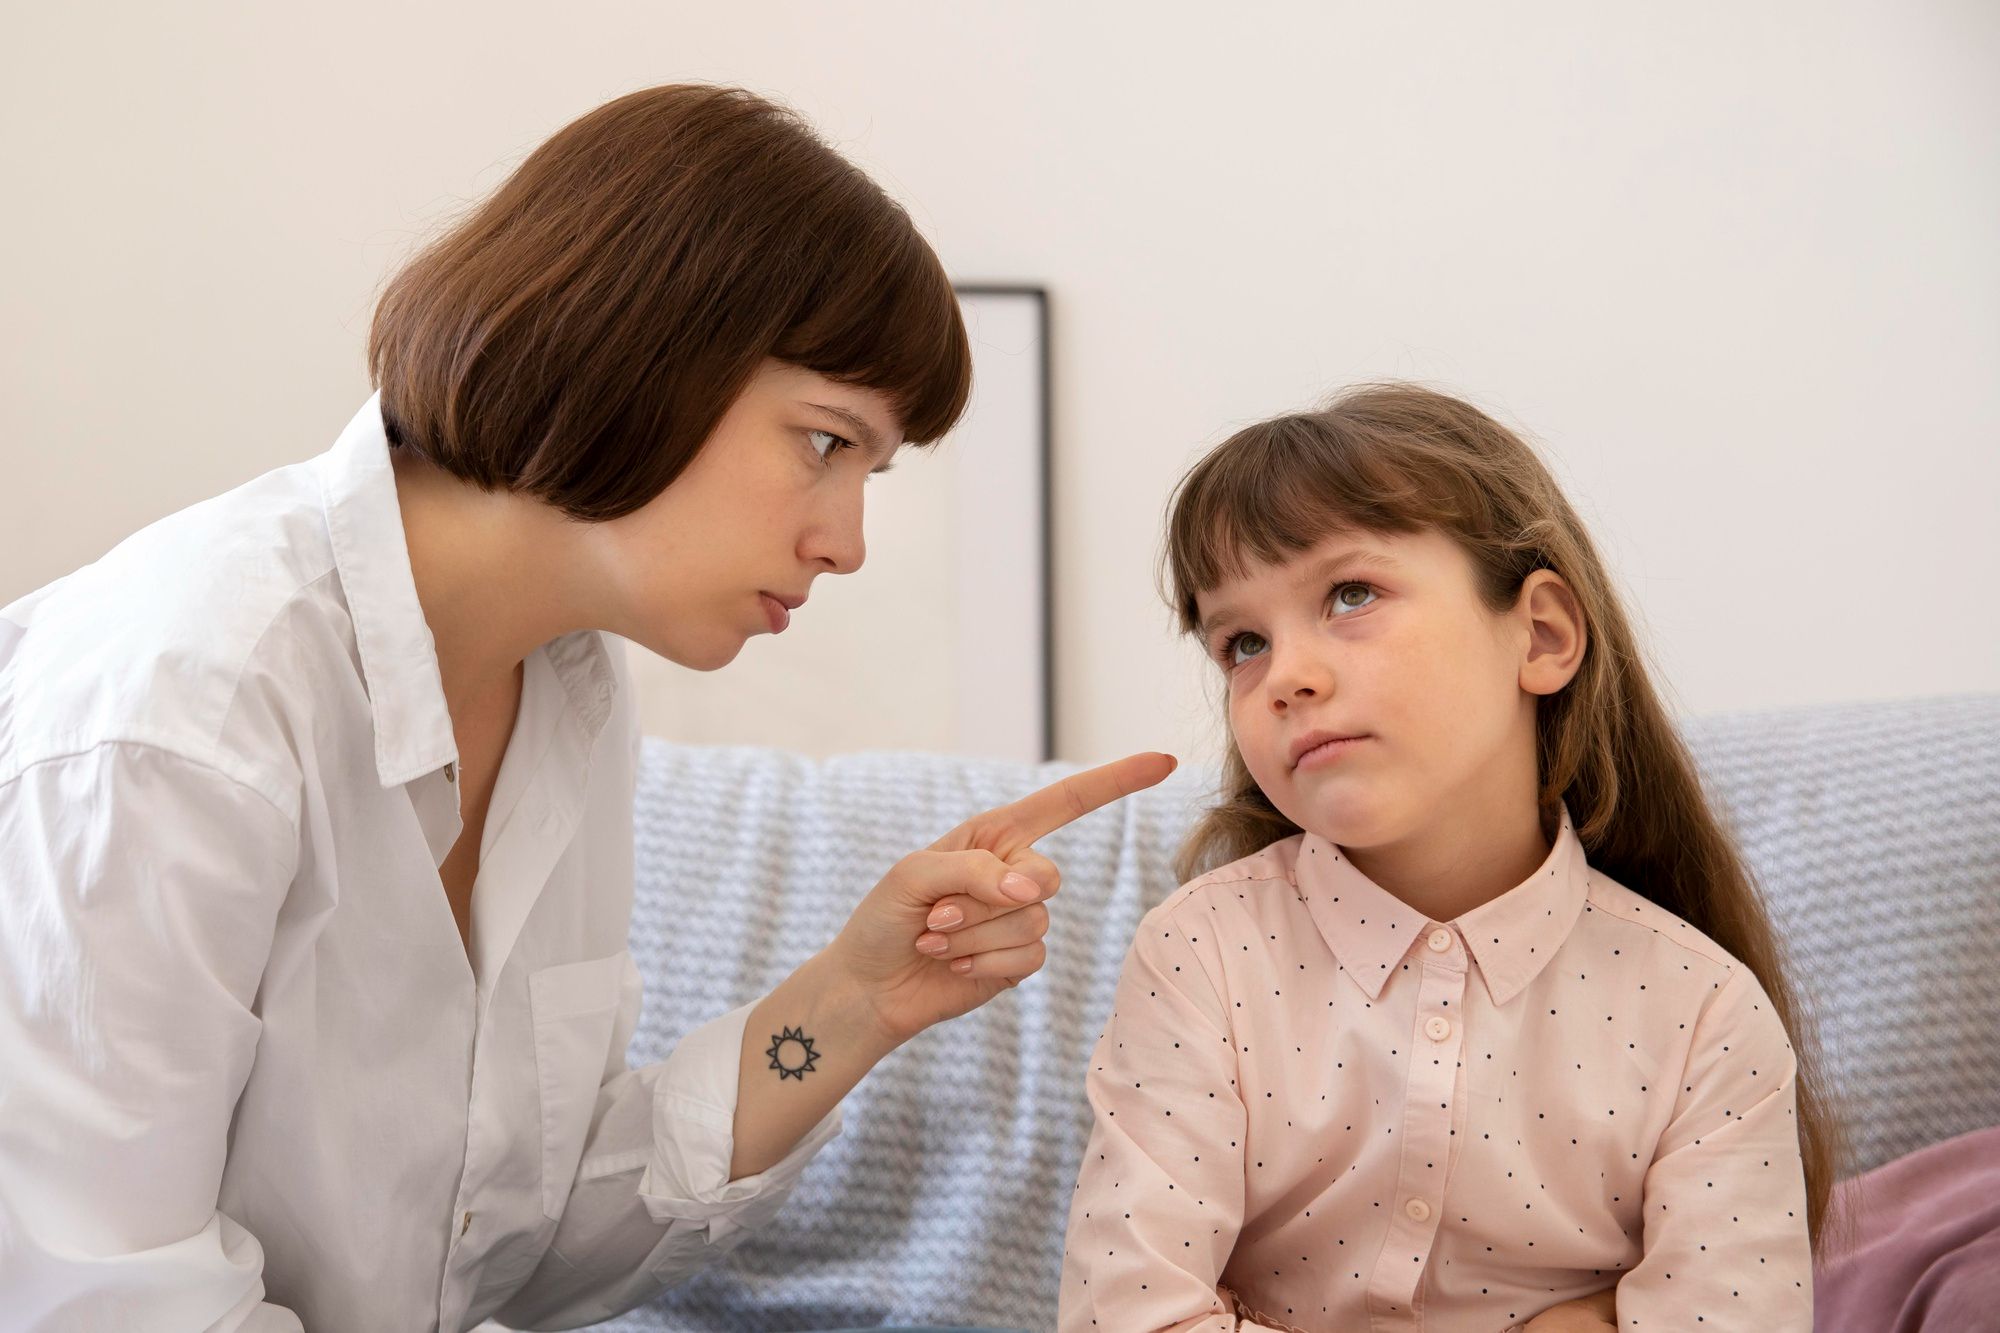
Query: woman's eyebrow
(866, 435)
(856, 424)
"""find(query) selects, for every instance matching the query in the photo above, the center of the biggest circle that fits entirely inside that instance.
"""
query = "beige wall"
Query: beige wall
(1733, 265)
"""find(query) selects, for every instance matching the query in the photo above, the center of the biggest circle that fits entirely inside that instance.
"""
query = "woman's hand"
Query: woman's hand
(1588, 1314)
(950, 927)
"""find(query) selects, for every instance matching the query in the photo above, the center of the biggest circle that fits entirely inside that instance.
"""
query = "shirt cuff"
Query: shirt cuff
(694, 1117)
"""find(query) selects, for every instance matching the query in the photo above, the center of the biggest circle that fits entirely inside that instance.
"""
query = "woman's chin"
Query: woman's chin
(707, 653)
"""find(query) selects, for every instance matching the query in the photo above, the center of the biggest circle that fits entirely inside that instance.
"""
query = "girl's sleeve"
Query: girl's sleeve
(1159, 1199)
(1725, 1242)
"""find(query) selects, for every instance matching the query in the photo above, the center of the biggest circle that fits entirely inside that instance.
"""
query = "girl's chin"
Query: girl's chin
(1346, 818)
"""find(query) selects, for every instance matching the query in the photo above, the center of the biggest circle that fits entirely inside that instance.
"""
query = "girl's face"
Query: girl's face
(1383, 638)
(772, 501)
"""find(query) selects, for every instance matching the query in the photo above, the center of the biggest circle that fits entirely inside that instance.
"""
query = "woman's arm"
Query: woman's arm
(141, 891)
(686, 1158)
(976, 894)
(804, 1047)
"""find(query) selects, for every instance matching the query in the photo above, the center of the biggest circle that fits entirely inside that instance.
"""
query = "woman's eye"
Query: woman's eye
(826, 444)
(1241, 648)
(1342, 603)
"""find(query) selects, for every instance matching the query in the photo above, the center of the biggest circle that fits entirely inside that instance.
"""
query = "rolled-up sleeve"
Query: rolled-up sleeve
(1726, 1243)
(653, 1201)
(141, 891)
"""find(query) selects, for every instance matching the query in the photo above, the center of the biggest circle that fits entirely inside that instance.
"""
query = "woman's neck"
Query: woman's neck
(494, 576)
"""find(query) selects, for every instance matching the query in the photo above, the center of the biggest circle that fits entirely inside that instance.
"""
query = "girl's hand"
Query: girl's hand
(950, 927)
(1589, 1314)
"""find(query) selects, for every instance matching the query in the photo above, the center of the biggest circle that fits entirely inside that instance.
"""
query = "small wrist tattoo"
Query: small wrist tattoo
(792, 1054)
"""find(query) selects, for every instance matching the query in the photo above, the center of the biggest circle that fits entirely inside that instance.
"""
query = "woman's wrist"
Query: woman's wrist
(805, 1046)
(847, 1008)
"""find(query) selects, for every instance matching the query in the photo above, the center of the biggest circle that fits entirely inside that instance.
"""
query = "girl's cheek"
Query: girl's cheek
(1243, 680)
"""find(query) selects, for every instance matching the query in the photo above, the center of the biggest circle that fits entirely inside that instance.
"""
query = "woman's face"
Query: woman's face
(772, 501)
(1383, 638)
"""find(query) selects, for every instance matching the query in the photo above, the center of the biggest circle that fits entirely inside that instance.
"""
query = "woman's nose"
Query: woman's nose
(837, 541)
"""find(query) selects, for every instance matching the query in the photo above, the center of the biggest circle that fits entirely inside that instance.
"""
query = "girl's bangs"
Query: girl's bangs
(1270, 492)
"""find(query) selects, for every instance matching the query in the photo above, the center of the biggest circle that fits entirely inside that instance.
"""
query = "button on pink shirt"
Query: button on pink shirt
(1316, 1109)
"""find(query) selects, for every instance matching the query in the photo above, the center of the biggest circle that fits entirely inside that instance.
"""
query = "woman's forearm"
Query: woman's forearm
(809, 1042)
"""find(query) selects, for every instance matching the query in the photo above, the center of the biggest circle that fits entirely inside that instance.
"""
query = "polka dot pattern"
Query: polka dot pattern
(1316, 1108)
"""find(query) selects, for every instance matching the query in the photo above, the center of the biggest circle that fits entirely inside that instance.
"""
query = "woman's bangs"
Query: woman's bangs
(895, 328)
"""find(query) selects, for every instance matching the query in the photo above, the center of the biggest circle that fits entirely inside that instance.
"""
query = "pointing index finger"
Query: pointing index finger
(1041, 813)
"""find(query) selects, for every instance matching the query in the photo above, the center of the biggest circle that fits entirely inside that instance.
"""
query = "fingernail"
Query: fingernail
(941, 917)
(1020, 888)
(933, 943)
(962, 965)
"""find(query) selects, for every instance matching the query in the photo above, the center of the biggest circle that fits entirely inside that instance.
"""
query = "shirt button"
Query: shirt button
(1436, 1029)
(1418, 1210)
(1440, 940)
(451, 772)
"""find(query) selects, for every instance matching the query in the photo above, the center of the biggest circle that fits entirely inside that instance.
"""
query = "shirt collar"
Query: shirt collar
(413, 734)
(1512, 937)
(398, 656)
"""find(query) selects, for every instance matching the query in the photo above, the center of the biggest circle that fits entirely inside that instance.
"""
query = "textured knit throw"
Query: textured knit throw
(1873, 828)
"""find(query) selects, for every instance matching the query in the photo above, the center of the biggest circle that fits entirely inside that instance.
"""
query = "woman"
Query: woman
(316, 798)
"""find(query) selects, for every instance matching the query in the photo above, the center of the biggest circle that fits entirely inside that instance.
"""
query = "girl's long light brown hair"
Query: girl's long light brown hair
(1400, 459)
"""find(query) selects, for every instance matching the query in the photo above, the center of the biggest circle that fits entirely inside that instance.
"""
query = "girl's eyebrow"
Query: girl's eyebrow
(1353, 555)
(1321, 571)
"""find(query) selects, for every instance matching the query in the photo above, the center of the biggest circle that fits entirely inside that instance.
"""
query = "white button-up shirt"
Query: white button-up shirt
(249, 1076)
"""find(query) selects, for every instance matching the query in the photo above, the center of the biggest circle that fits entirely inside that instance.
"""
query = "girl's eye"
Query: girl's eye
(1241, 647)
(1342, 604)
(826, 444)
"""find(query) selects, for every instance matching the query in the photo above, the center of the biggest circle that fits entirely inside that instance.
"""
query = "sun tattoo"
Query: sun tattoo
(796, 1062)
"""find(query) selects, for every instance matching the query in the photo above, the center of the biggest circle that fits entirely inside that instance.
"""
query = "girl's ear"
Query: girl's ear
(1557, 634)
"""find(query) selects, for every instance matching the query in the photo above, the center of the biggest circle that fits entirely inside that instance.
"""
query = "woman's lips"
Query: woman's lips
(775, 613)
(1331, 752)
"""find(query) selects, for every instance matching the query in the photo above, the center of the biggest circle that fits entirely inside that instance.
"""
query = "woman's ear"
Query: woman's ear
(1557, 634)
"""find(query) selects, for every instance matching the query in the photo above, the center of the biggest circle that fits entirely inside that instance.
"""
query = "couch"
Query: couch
(1874, 829)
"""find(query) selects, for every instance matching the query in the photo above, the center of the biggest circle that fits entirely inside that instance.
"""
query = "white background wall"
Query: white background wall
(1735, 266)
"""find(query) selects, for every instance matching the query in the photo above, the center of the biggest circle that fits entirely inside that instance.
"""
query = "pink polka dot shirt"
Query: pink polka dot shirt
(1318, 1110)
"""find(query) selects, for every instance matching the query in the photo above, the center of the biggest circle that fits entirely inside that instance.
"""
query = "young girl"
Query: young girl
(1483, 1014)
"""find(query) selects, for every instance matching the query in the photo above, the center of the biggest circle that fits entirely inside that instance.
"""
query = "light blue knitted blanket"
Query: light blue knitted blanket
(1875, 830)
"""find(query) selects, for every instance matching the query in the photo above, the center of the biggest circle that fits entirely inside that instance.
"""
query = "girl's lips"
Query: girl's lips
(775, 613)
(1331, 752)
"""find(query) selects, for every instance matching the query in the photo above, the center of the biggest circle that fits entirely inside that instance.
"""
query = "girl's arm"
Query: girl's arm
(1159, 1200)
(1725, 1240)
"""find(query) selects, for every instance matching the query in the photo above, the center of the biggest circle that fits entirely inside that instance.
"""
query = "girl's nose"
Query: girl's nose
(1297, 679)
(1279, 702)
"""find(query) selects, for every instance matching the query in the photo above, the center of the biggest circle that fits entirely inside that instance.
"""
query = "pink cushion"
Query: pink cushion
(1924, 1247)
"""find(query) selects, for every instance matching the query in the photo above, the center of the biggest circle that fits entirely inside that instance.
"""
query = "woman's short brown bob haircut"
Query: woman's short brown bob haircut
(579, 335)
